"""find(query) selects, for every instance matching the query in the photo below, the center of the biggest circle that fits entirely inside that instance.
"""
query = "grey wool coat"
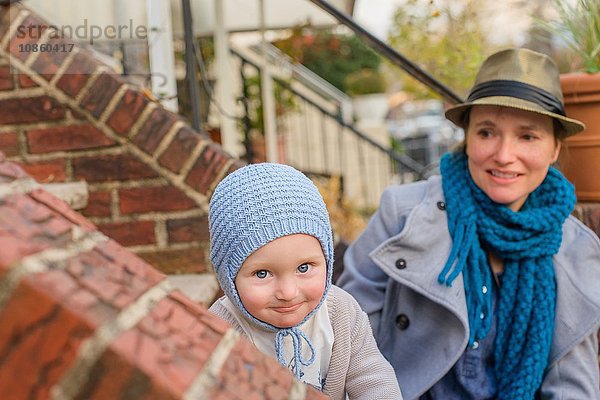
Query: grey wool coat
(421, 326)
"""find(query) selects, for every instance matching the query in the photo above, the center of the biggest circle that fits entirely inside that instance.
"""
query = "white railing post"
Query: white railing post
(225, 96)
(268, 97)
(162, 56)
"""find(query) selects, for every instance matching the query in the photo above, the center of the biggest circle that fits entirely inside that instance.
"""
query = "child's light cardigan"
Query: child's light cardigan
(356, 368)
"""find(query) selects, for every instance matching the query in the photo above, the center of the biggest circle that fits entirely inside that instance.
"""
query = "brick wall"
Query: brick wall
(65, 117)
(81, 317)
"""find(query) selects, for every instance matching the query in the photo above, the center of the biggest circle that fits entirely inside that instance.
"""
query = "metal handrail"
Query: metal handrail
(401, 159)
(300, 72)
(391, 54)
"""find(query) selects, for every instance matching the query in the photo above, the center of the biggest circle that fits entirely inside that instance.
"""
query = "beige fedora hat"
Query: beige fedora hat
(522, 79)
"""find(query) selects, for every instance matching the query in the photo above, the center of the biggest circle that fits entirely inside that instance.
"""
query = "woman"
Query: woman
(479, 284)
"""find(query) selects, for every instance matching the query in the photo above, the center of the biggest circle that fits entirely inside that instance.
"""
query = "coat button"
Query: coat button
(401, 263)
(441, 205)
(402, 321)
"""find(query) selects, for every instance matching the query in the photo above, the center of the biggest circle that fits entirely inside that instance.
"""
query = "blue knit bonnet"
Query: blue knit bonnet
(255, 205)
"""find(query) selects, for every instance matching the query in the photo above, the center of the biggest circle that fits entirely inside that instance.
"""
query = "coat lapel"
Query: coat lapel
(416, 256)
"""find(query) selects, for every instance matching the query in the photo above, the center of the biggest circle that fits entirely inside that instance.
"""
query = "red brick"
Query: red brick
(61, 285)
(250, 374)
(30, 109)
(188, 229)
(76, 114)
(101, 93)
(127, 112)
(180, 149)
(6, 78)
(30, 211)
(14, 251)
(189, 261)
(16, 235)
(25, 81)
(108, 281)
(207, 167)
(200, 312)
(28, 32)
(169, 344)
(64, 287)
(99, 204)
(115, 377)
(65, 138)
(46, 171)
(209, 319)
(110, 168)
(129, 262)
(77, 74)
(149, 199)
(25, 323)
(154, 129)
(49, 315)
(10, 171)
(34, 223)
(61, 208)
(9, 143)
(57, 228)
(114, 278)
(38, 343)
(48, 62)
(130, 233)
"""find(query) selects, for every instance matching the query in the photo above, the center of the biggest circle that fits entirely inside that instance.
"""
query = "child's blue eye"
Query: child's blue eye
(303, 268)
(262, 274)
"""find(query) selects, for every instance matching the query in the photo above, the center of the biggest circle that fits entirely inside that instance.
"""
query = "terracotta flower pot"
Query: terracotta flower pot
(579, 159)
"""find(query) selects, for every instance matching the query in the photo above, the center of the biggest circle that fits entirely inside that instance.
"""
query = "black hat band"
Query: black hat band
(520, 90)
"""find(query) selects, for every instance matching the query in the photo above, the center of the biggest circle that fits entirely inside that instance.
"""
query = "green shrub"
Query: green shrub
(365, 81)
(332, 56)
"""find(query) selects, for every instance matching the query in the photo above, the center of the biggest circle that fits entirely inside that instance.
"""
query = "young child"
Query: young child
(272, 251)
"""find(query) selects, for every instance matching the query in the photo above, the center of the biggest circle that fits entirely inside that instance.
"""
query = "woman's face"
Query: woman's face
(509, 152)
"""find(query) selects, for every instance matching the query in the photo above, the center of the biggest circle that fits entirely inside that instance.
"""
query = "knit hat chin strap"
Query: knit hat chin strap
(297, 358)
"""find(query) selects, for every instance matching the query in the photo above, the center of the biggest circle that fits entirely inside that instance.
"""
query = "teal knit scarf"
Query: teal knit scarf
(525, 241)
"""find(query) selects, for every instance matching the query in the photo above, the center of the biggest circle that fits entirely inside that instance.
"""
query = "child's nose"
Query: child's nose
(287, 289)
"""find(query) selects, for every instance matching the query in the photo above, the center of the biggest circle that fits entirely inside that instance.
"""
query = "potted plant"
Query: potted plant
(578, 25)
(367, 87)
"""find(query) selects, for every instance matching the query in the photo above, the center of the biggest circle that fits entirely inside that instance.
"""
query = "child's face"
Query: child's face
(283, 281)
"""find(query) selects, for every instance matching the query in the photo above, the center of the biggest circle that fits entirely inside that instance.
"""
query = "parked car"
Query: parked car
(422, 131)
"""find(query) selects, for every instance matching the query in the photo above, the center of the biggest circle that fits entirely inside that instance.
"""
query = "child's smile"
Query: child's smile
(284, 280)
